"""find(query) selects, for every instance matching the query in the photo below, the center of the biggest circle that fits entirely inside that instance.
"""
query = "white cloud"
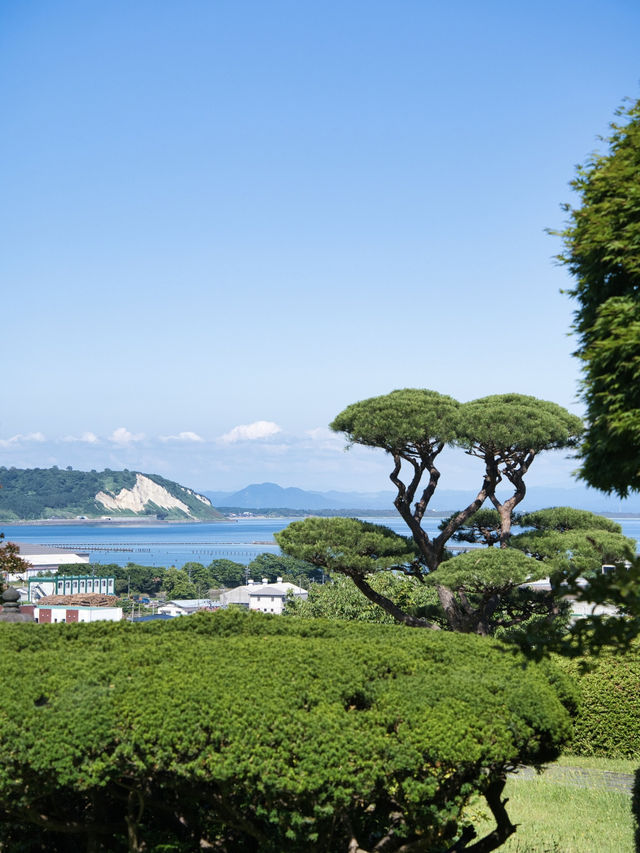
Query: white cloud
(251, 432)
(319, 433)
(123, 436)
(182, 436)
(86, 438)
(21, 438)
(326, 438)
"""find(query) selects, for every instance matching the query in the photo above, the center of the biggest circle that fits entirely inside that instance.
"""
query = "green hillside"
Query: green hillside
(41, 493)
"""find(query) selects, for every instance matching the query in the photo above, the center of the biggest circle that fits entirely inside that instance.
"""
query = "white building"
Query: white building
(579, 609)
(45, 558)
(266, 597)
(271, 597)
(185, 606)
(75, 613)
(239, 595)
(70, 585)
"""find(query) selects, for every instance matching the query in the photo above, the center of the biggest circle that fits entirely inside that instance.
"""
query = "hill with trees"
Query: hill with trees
(44, 493)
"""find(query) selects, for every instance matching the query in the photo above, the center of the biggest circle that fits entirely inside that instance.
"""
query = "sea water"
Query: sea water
(174, 544)
(166, 544)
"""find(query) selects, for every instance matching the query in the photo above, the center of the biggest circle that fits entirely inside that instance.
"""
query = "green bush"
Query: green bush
(608, 720)
(341, 599)
(257, 733)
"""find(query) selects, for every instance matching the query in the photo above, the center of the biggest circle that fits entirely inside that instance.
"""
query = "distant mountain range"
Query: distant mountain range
(272, 496)
(49, 493)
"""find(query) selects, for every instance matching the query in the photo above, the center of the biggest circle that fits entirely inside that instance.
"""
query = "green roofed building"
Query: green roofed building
(40, 587)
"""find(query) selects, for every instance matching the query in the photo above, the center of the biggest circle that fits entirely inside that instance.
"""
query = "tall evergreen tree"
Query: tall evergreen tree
(602, 252)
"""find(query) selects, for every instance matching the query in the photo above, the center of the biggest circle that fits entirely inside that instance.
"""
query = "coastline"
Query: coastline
(128, 520)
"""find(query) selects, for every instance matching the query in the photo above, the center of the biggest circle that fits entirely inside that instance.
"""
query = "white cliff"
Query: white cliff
(145, 491)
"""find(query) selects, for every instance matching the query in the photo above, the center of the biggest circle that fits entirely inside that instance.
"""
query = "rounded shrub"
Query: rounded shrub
(608, 719)
(254, 733)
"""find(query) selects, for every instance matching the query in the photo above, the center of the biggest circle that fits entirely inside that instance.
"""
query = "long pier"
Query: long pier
(197, 547)
(128, 546)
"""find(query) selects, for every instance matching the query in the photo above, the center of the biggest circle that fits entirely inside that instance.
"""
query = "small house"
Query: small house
(271, 597)
(185, 606)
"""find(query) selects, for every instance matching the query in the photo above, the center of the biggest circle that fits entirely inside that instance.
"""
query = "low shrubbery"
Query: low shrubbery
(262, 734)
(608, 721)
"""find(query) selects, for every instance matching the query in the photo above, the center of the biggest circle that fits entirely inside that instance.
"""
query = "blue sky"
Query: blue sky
(224, 221)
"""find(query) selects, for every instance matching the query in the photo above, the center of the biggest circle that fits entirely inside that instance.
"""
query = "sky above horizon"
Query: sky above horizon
(225, 221)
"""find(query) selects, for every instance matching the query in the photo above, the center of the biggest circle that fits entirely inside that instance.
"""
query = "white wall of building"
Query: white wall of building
(45, 562)
(85, 614)
(182, 607)
(271, 598)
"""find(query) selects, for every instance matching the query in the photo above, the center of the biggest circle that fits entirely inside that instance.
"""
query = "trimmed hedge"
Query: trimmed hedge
(608, 720)
(258, 733)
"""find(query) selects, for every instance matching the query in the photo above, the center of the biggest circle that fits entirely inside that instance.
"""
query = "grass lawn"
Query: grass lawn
(561, 817)
(593, 762)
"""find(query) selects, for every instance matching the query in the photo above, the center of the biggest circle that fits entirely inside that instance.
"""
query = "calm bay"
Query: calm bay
(172, 544)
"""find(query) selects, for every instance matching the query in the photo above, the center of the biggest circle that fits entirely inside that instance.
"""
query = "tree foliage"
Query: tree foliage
(608, 718)
(226, 573)
(573, 540)
(602, 237)
(413, 425)
(611, 389)
(488, 571)
(292, 569)
(483, 527)
(481, 587)
(602, 253)
(511, 426)
(176, 584)
(563, 518)
(487, 591)
(583, 550)
(131, 578)
(507, 431)
(573, 545)
(346, 545)
(487, 584)
(11, 563)
(412, 422)
(357, 549)
(144, 580)
(621, 587)
(341, 599)
(365, 737)
(193, 579)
